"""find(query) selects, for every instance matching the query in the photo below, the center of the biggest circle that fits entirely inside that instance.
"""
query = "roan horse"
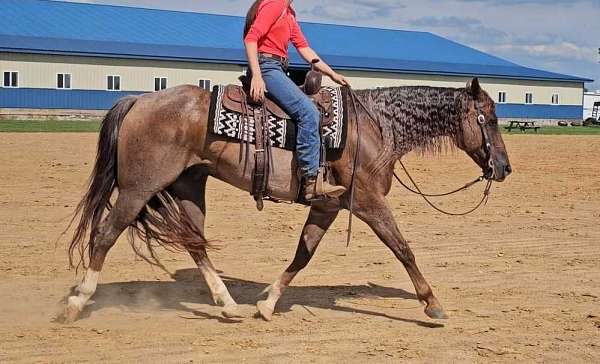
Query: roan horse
(157, 151)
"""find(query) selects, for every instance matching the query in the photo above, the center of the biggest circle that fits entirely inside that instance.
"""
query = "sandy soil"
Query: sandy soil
(520, 279)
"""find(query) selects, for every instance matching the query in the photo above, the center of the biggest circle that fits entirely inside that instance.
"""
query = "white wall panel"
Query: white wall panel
(570, 93)
(89, 73)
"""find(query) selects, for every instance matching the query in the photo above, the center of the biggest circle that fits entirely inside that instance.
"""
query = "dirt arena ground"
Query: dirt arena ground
(520, 279)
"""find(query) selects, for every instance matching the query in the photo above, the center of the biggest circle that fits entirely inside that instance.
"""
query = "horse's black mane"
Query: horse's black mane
(426, 119)
(417, 117)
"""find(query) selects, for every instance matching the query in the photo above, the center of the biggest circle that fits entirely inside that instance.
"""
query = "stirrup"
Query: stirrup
(319, 191)
(313, 191)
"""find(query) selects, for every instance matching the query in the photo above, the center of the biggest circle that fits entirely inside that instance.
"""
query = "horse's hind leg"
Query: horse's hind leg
(190, 190)
(215, 284)
(126, 208)
(375, 212)
(319, 220)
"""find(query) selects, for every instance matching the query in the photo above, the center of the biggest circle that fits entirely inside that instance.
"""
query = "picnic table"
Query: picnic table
(522, 125)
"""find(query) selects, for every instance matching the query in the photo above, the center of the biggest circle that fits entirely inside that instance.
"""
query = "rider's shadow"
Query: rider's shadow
(188, 287)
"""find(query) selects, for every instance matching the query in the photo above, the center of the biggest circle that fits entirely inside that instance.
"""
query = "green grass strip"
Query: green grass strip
(84, 126)
(556, 130)
(49, 126)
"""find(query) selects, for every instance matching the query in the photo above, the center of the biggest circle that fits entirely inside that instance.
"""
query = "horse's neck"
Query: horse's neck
(417, 117)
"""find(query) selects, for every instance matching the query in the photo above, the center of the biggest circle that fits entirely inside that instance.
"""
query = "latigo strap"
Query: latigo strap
(262, 155)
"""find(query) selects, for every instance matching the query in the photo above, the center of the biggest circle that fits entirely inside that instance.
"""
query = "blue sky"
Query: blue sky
(559, 35)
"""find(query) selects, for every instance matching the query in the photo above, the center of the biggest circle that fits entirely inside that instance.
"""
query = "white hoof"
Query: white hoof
(232, 312)
(265, 310)
(72, 311)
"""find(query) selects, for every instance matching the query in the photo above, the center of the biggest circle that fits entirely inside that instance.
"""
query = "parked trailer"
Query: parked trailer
(590, 105)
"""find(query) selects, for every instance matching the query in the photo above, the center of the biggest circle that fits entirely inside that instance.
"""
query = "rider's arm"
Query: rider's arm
(257, 86)
(252, 54)
(309, 55)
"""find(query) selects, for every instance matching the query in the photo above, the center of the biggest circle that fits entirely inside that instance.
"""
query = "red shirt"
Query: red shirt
(274, 27)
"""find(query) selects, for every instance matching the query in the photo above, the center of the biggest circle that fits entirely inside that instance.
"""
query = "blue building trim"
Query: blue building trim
(522, 111)
(31, 98)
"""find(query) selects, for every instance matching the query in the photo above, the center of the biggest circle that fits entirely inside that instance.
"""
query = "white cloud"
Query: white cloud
(562, 50)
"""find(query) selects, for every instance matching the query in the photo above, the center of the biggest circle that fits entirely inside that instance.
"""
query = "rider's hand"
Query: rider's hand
(258, 89)
(339, 79)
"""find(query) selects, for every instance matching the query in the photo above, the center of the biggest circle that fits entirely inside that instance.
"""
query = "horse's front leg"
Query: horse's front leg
(320, 218)
(374, 211)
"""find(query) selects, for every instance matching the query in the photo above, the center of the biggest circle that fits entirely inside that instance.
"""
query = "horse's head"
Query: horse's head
(480, 137)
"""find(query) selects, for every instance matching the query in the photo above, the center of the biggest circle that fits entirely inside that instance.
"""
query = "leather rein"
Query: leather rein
(487, 175)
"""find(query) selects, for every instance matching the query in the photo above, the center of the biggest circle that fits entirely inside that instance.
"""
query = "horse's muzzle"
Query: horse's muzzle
(498, 172)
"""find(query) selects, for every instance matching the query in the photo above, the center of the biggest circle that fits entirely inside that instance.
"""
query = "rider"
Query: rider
(270, 26)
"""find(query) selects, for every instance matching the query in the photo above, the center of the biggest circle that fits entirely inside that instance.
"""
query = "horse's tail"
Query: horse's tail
(102, 183)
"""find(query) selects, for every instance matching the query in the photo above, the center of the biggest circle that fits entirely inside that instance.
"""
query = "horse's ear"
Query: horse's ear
(473, 87)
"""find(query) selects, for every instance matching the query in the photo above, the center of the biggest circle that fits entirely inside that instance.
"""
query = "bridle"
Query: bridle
(488, 174)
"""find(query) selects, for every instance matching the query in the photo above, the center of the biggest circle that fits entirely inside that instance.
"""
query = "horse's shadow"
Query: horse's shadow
(189, 288)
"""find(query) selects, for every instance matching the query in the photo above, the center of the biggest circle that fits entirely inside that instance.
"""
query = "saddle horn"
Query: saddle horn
(314, 79)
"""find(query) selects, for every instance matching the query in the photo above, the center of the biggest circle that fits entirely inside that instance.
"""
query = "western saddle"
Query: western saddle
(237, 98)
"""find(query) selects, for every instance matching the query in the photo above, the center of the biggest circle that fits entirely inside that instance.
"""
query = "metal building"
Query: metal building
(73, 56)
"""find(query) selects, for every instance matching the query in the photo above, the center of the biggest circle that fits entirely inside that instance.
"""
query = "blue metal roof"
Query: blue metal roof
(54, 27)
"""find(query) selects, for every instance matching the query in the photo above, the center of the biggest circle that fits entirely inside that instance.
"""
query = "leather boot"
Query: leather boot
(316, 188)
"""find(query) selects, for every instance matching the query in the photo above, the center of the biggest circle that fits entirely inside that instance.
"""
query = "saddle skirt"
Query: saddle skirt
(232, 115)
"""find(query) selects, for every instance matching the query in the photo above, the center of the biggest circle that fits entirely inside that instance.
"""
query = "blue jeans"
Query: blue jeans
(298, 106)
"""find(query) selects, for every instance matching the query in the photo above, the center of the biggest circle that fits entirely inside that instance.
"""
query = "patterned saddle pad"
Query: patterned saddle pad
(229, 123)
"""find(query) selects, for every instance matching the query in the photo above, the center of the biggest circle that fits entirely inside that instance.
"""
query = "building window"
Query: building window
(63, 81)
(502, 97)
(205, 84)
(529, 98)
(113, 83)
(555, 99)
(160, 83)
(11, 79)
